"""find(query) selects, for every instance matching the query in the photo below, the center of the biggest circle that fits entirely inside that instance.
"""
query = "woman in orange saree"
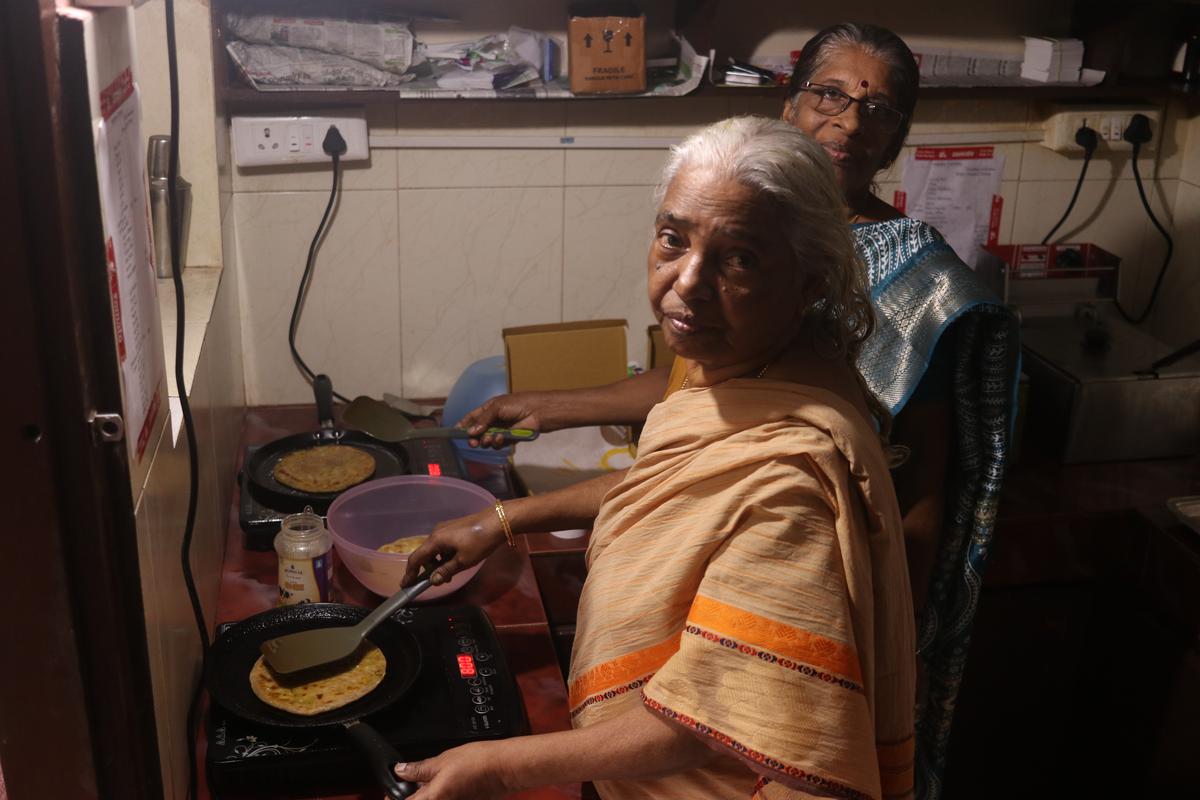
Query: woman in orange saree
(746, 625)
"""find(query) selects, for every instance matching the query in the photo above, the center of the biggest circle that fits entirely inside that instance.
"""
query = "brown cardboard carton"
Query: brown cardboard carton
(566, 355)
(658, 353)
(607, 55)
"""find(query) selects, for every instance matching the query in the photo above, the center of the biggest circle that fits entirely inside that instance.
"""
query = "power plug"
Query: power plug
(1138, 132)
(1088, 139)
(334, 144)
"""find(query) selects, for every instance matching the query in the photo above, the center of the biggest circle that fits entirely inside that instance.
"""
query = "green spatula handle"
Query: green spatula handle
(514, 434)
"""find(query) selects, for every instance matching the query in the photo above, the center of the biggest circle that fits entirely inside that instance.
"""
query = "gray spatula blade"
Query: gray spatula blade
(308, 649)
(377, 419)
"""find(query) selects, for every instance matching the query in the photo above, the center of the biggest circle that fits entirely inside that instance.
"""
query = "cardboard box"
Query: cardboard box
(658, 354)
(566, 355)
(607, 55)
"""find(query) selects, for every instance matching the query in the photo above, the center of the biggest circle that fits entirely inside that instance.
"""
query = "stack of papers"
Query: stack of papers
(1050, 60)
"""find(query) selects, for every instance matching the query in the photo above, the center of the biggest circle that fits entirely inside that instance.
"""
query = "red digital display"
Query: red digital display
(434, 469)
(466, 665)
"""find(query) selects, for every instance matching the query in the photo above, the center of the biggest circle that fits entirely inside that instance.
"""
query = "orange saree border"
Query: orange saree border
(621, 670)
(770, 634)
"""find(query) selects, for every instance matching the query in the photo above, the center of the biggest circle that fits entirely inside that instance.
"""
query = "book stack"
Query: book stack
(1049, 60)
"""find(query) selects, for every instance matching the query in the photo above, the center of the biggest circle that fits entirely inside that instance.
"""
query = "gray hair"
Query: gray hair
(774, 158)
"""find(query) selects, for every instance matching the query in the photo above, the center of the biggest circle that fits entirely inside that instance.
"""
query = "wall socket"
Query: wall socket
(260, 141)
(1109, 122)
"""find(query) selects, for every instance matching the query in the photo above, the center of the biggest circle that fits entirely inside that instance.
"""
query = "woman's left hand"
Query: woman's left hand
(470, 772)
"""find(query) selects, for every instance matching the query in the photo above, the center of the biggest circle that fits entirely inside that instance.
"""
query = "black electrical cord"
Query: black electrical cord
(189, 424)
(335, 146)
(1086, 138)
(1137, 133)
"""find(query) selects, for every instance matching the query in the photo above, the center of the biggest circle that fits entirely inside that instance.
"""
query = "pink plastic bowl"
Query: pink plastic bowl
(377, 512)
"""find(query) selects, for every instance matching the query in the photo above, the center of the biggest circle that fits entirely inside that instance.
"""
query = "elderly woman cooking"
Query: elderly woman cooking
(745, 627)
(943, 361)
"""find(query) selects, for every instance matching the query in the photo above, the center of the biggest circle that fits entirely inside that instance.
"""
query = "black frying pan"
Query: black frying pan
(234, 653)
(260, 469)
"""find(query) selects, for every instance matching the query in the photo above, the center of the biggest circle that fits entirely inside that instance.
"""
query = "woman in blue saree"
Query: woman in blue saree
(942, 363)
(943, 359)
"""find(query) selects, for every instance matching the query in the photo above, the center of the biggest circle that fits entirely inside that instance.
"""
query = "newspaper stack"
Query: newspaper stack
(292, 52)
(968, 68)
(1049, 60)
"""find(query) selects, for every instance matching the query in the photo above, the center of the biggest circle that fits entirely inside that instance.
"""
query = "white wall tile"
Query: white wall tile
(641, 117)
(208, 543)
(483, 118)
(614, 167)
(148, 527)
(228, 368)
(471, 263)
(757, 105)
(1175, 147)
(178, 665)
(1173, 318)
(607, 235)
(498, 168)
(377, 173)
(1042, 164)
(197, 138)
(1189, 168)
(348, 328)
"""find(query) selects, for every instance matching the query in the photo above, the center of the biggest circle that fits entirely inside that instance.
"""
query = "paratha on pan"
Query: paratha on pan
(323, 688)
(404, 545)
(329, 468)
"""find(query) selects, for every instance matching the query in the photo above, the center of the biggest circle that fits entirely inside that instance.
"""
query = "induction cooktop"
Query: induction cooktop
(465, 692)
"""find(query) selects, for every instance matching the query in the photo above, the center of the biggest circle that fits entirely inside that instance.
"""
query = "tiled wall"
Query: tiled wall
(1177, 204)
(433, 252)
(218, 405)
(197, 159)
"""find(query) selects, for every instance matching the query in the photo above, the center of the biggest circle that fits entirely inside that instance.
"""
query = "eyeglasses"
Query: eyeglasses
(831, 102)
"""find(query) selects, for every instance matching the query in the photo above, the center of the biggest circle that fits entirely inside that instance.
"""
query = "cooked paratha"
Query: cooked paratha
(329, 468)
(321, 689)
(404, 545)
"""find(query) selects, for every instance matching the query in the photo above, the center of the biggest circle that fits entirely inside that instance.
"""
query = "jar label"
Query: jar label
(305, 580)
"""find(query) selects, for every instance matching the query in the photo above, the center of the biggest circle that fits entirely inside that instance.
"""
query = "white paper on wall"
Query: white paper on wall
(957, 191)
(120, 161)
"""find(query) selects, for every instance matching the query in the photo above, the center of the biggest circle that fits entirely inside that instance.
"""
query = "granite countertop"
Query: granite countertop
(504, 587)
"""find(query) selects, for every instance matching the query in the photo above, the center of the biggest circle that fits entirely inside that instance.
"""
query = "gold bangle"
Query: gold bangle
(508, 534)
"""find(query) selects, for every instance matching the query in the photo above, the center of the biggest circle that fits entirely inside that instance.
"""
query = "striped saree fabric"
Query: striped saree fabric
(747, 580)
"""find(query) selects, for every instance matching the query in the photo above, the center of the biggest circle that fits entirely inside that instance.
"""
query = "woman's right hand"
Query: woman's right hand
(520, 410)
(455, 545)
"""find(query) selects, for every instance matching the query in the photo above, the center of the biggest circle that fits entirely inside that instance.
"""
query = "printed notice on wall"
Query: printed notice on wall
(131, 279)
(957, 191)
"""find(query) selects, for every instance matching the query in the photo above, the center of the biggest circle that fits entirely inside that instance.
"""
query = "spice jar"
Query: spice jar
(305, 560)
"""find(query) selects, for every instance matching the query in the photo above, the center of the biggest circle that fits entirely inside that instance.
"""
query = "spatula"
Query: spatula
(387, 424)
(307, 649)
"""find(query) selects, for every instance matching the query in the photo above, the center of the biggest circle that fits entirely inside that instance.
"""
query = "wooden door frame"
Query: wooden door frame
(77, 705)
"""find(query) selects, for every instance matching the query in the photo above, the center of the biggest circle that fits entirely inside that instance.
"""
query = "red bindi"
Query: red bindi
(864, 84)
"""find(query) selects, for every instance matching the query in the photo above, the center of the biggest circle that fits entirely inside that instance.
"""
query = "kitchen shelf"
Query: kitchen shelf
(240, 98)
(236, 96)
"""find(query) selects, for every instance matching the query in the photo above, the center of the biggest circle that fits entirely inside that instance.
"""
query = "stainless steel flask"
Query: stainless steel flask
(157, 161)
